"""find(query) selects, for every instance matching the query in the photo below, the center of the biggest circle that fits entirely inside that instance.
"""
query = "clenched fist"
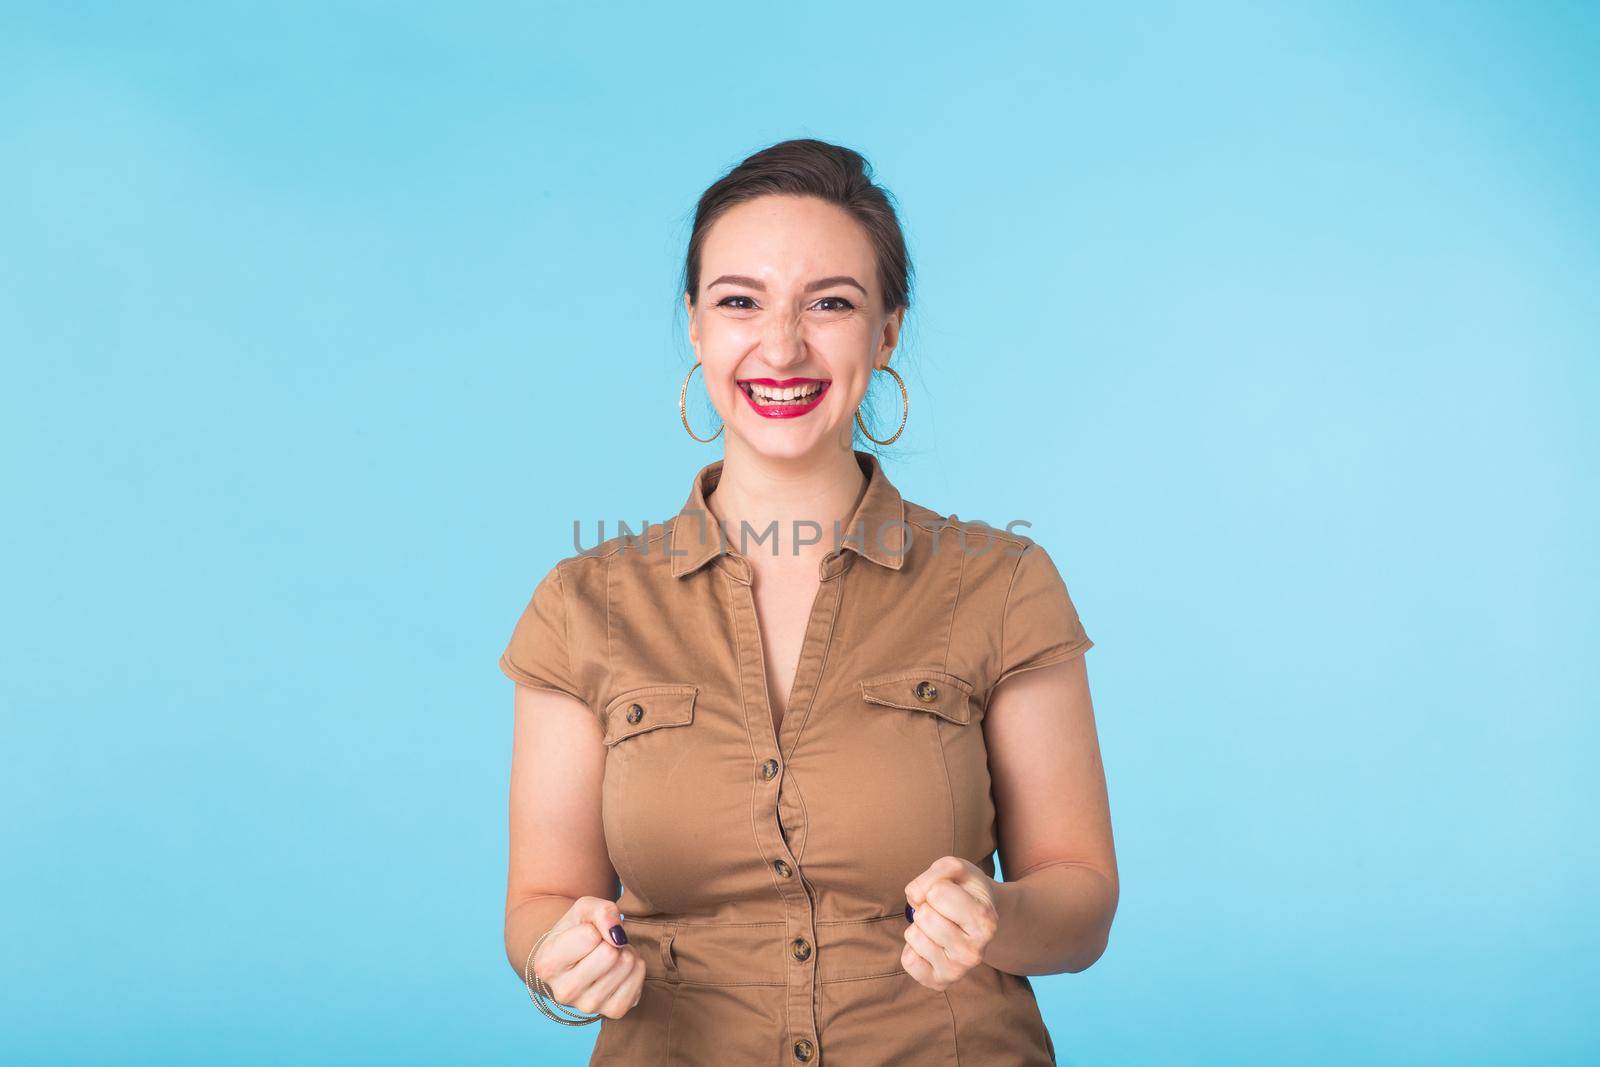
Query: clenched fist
(587, 962)
(954, 917)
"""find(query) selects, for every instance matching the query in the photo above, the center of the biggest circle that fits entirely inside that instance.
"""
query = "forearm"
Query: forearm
(1053, 918)
(529, 919)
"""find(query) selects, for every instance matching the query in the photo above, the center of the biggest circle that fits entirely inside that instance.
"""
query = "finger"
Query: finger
(929, 949)
(607, 920)
(974, 914)
(564, 947)
(628, 992)
(605, 984)
(951, 938)
(916, 963)
(943, 867)
(943, 896)
(573, 981)
(952, 870)
(917, 966)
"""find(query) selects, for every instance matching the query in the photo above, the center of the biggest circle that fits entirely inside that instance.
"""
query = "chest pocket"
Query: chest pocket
(929, 773)
(653, 761)
(651, 707)
(934, 692)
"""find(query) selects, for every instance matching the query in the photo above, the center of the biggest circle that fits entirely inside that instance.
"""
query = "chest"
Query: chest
(876, 767)
(783, 603)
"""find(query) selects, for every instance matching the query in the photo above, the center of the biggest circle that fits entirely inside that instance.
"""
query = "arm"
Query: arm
(558, 848)
(1054, 823)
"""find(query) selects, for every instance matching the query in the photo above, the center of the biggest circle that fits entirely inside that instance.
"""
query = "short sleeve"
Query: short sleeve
(1040, 625)
(538, 654)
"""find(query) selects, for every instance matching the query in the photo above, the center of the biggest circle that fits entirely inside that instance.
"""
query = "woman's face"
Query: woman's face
(789, 323)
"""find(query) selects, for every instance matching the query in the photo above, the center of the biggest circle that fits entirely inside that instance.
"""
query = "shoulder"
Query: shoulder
(987, 553)
(633, 555)
(645, 543)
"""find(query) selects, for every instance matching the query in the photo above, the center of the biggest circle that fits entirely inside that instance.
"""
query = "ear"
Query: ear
(891, 337)
(688, 307)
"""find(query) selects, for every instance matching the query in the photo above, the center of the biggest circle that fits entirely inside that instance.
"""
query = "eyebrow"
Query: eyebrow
(811, 287)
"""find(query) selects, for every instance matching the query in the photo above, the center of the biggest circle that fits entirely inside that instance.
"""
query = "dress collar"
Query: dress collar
(876, 530)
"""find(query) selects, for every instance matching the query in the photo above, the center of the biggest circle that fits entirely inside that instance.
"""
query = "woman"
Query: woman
(797, 719)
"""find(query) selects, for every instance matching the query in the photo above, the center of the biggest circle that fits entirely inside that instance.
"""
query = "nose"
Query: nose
(784, 344)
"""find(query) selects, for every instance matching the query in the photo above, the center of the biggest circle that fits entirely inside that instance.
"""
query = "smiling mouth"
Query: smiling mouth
(785, 399)
(789, 391)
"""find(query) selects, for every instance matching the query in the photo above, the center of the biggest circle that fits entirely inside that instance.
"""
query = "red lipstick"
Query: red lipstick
(769, 408)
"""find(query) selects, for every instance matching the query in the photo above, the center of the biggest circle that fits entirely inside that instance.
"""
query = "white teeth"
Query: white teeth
(769, 395)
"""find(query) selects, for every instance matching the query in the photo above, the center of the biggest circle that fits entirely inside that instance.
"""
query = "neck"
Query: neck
(757, 492)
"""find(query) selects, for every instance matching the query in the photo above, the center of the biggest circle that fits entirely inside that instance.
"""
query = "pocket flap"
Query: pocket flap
(942, 694)
(647, 708)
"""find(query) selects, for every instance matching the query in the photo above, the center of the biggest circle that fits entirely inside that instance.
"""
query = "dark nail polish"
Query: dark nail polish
(910, 911)
(619, 935)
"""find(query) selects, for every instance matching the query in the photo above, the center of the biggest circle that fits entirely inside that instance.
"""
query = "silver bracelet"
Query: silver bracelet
(539, 992)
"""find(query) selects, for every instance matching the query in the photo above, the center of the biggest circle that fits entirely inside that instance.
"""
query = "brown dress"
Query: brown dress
(763, 877)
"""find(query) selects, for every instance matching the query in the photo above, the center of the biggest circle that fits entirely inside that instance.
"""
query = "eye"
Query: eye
(727, 302)
(848, 306)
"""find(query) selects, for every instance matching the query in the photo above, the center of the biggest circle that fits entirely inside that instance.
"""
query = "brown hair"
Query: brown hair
(806, 167)
(829, 172)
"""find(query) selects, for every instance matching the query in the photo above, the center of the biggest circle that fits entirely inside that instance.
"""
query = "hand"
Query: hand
(584, 968)
(956, 916)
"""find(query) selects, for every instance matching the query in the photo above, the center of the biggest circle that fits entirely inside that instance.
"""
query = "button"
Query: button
(926, 691)
(800, 948)
(635, 712)
(782, 868)
(803, 1050)
(769, 769)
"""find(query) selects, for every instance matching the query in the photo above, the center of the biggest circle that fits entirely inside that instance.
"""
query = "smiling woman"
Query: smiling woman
(796, 335)
(758, 790)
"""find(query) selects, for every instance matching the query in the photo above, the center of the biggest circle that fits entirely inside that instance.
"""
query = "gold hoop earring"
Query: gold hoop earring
(683, 409)
(905, 412)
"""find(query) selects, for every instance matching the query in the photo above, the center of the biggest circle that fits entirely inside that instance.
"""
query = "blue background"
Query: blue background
(320, 324)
